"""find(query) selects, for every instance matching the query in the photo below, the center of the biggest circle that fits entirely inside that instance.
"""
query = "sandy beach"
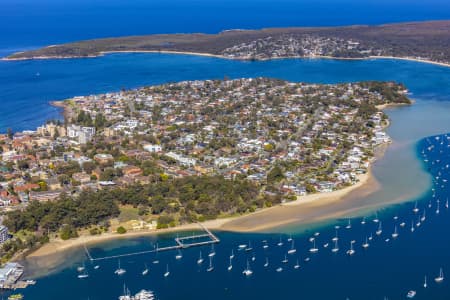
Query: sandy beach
(306, 209)
(263, 219)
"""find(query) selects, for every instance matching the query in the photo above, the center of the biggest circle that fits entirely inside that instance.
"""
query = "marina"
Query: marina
(181, 243)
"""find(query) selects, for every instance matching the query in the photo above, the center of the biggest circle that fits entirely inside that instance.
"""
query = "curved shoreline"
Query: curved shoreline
(366, 184)
(260, 220)
(103, 53)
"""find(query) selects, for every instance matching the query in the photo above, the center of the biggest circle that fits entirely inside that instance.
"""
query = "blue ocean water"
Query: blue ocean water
(26, 87)
(30, 23)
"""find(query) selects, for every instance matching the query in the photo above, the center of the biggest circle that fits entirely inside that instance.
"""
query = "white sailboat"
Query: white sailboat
(280, 243)
(415, 209)
(412, 226)
(297, 265)
(411, 294)
(230, 266)
(335, 238)
(437, 207)
(279, 269)
(292, 250)
(266, 264)
(179, 255)
(200, 259)
(81, 268)
(336, 247)
(285, 260)
(156, 260)
(145, 271)
(376, 220)
(314, 249)
(265, 246)
(446, 203)
(119, 271)
(440, 278)
(425, 284)
(249, 247)
(422, 219)
(242, 246)
(365, 245)
(289, 238)
(213, 252)
(379, 230)
(232, 254)
(351, 251)
(349, 225)
(167, 273)
(210, 267)
(395, 233)
(363, 221)
(247, 271)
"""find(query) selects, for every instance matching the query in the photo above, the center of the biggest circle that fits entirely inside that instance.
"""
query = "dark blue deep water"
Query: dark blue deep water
(386, 269)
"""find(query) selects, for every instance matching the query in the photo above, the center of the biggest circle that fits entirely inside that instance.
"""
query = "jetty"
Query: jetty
(180, 243)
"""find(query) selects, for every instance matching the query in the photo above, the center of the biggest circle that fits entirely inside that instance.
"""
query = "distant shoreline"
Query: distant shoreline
(103, 53)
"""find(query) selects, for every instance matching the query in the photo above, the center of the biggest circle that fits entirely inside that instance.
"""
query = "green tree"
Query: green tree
(275, 175)
(121, 230)
(68, 232)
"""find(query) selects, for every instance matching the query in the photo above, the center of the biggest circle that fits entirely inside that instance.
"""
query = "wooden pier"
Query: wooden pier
(181, 243)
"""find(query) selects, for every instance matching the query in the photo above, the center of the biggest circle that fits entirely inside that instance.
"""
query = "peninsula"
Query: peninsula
(180, 153)
(424, 41)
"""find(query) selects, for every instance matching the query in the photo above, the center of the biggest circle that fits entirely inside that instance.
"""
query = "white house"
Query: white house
(152, 148)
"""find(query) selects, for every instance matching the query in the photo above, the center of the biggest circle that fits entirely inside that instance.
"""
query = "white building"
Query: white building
(4, 234)
(185, 161)
(82, 133)
(152, 148)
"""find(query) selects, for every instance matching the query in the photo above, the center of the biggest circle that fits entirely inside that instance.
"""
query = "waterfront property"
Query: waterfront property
(10, 273)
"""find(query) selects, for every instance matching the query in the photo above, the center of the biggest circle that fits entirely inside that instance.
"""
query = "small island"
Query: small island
(163, 156)
(423, 41)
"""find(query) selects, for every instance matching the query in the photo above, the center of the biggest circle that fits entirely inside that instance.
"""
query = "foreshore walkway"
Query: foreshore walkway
(181, 243)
